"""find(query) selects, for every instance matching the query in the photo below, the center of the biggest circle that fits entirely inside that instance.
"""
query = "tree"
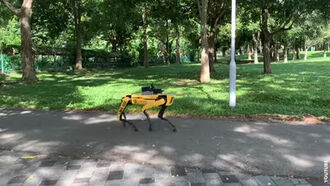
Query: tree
(217, 11)
(276, 16)
(167, 19)
(25, 13)
(77, 13)
(205, 68)
(325, 39)
(145, 38)
(55, 17)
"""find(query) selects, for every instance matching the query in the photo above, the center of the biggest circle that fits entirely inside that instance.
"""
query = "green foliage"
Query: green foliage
(10, 34)
(116, 25)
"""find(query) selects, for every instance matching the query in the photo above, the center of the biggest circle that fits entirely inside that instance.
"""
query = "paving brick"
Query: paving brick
(212, 179)
(282, 181)
(73, 167)
(195, 176)
(86, 169)
(229, 178)
(116, 175)
(67, 178)
(47, 163)
(209, 170)
(46, 182)
(4, 179)
(249, 182)
(232, 184)
(33, 180)
(137, 171)
(100, 176)
(102, 164)
(178, 171)
(44, 173)
(7, 158)
(76, 162)
(173, 181)
(117, 166)
(146, 180)
(81, 180)
(127, 182)
(198, 184)
(317, 182)
(300, 182)
(264, 180)
(162, 172)
(18, 179)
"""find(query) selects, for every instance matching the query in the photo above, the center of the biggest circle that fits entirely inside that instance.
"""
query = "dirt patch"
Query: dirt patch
(187, 82)
(305, 119)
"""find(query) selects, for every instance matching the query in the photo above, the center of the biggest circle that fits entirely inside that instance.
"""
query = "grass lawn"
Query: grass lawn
(296, 88)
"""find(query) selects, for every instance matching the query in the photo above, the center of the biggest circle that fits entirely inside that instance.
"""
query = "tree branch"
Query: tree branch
(282, 29)
(199, 8)
(15, 10)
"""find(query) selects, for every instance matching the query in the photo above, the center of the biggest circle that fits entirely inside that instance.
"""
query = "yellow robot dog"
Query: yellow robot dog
(150, 98)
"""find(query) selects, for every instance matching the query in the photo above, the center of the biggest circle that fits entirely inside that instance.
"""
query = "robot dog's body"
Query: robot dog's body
(150, 98)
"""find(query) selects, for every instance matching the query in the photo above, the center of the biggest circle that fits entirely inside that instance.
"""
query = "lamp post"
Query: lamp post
(232, 76)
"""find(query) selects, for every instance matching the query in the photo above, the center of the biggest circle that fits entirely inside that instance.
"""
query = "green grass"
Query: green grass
(296, 88)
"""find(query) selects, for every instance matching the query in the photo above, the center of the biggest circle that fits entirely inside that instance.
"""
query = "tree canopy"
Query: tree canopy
(166, 31)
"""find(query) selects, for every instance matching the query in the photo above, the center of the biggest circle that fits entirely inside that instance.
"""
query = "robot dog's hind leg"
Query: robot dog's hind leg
(161, 116)
(147, 115)
(130, 123)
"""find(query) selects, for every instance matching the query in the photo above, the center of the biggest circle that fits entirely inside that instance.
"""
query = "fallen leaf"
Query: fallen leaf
(28, 157)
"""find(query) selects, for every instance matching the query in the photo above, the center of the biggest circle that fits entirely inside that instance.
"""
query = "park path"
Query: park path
(204, 147)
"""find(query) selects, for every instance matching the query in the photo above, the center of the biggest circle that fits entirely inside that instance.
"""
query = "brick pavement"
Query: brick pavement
(28, 169)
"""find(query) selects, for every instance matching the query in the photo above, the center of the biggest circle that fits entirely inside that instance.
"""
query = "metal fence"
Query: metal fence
(11, 63)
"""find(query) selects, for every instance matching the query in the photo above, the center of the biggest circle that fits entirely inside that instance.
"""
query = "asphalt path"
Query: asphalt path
(255, 147)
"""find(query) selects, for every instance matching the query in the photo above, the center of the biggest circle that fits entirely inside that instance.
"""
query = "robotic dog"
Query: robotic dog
(150, 98)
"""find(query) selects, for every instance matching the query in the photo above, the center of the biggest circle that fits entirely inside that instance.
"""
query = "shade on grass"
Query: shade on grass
(296, 88)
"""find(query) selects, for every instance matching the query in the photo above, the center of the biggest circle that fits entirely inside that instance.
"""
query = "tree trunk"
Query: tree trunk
(267, 58)
(293, 54)
(178, 45)
(164, 53)
(285, 53)
(77, 18)
(114, 44)
(306, 53)
(265, 39)
(224, 52)
(215, 54)
(255, 47)
(29, 73)
(249, 50)
(145, 39)
(325, 50)
(205, 68)
(277, 54)
(212, 45)
(272, 52)
(167, 44)
(297, 53)
(256, 58)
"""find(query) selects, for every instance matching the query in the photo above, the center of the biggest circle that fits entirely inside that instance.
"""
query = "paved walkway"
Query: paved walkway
(84, 148)
(29, 169)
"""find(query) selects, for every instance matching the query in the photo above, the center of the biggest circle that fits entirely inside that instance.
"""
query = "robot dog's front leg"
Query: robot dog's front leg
(148, 118)
(121, 113)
